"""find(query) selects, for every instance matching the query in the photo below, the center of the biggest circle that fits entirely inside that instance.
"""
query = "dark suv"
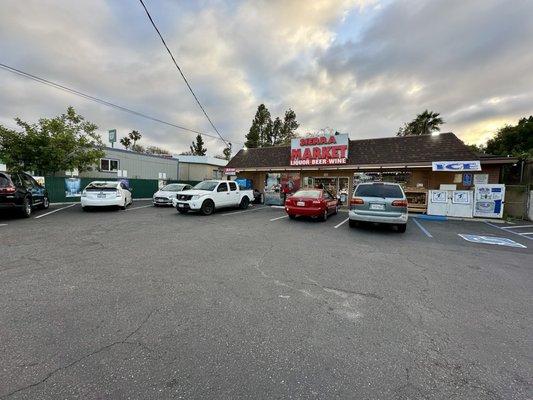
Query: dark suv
(20, 191)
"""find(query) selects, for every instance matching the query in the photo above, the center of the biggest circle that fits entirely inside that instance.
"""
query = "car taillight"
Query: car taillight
(317, 202)
(356, 200)
(118, 193)
(399, 203)
(8, 189)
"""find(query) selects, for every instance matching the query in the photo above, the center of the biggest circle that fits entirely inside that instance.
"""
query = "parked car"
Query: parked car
(379, 202)
(164, 196)
(105, 194)
(19, 191)
(208, 196)
(318, 203)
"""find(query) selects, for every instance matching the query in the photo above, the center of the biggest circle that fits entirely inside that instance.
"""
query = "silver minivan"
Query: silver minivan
(379, 202)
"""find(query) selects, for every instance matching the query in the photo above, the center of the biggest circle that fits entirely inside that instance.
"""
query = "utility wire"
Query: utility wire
(100, 101)
(181, 72)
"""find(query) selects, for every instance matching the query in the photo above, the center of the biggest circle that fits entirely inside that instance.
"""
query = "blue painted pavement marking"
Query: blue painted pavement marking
(426, 232)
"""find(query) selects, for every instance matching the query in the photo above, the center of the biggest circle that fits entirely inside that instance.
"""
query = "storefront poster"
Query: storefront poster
(72, 187)
(289, 182)
(273, 189)
(481, 179)
(319, 150)
(461, 197)
(467, 179)
(439, 196)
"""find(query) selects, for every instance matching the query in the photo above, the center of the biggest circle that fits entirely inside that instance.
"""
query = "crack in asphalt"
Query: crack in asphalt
(99, 350)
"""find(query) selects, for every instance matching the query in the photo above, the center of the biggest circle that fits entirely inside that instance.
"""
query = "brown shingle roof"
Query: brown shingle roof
(391, 150)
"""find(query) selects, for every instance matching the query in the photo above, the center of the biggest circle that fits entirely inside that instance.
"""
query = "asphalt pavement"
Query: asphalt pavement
(150, 304)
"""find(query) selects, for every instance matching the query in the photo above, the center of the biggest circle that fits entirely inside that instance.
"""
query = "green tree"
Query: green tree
(135, 136)
(126, 142)
(261, 126)
(52, 145)
(424, 124)
(513, 140)
(264, 132)
(288, 130)
(197, 147)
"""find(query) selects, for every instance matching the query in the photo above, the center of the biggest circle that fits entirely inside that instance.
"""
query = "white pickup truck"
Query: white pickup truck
(210, 195)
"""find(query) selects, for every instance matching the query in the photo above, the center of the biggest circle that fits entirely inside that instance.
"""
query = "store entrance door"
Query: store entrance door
(338, 187)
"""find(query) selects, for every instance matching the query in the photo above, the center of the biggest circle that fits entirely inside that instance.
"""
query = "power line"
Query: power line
(99, 100)
(181, 72)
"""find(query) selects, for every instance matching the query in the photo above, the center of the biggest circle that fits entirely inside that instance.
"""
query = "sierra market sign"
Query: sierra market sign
(320, 150)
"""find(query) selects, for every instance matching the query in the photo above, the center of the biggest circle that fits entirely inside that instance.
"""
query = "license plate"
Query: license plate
(100, 195)
(300, 203)
(377, 207)
(160, 200)
(181, 205)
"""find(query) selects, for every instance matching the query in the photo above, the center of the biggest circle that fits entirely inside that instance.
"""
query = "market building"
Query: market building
(421, 164)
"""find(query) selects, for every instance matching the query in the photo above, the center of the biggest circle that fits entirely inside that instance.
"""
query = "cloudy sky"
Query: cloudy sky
(359, 66)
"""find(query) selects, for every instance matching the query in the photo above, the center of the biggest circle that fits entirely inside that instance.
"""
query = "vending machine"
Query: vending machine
(489, 200)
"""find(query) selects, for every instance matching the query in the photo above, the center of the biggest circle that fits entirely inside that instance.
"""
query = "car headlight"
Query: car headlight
(196, 197)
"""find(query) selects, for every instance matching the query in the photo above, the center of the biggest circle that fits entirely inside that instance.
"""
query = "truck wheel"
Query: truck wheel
(401, 228)
(244, 203)
(208, 207)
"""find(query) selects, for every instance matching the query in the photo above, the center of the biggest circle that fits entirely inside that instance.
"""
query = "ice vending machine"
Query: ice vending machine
(489, 200)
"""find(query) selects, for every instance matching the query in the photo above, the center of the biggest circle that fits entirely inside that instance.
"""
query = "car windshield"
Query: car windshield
(207, 185)
(173, 187)
(314, 194)
(101, 186)
(379, 190)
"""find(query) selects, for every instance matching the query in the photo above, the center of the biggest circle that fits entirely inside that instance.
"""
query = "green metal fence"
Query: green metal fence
(141, 188)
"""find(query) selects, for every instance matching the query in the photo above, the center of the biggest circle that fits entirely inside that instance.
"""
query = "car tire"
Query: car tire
(353, 223)
(208, 207)
(244, 203)
(46, 203)
(292, 216)
(401, 228)
(324, 216)
(26, 208)
(182, 211)
(85, 208)
(125, 204)
(336, 210)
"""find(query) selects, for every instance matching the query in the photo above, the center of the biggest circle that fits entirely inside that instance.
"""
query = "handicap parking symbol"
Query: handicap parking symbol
(499, 241)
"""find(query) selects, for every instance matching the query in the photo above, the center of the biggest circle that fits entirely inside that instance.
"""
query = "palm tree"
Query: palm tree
(424, 124)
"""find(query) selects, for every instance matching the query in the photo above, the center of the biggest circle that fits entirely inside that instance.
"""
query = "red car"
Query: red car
(311, 203)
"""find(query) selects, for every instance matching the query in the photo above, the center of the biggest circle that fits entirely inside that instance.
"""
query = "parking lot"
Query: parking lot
(147, 303)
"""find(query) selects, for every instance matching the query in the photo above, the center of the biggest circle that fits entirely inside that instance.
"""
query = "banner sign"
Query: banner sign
(452, 166)
(230, 171)
(320, 150)
(72, 187)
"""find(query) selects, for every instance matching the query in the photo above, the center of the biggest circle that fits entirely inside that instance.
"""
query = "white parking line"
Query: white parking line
(508, 231)
(275, 219)
(3, 224)
(343, 222)
(426, 232)
(516, 227)
(243, 211)
(54, 211)
(135, 208)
